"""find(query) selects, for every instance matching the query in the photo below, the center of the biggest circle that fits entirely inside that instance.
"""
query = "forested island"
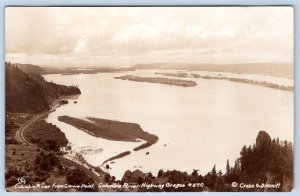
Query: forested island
(248, 81)
(159, 80)
(233, 79)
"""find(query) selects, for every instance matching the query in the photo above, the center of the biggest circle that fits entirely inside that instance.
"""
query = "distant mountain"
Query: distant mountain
(33, 69)
(84, 70)
(27, 91)
(273, 69)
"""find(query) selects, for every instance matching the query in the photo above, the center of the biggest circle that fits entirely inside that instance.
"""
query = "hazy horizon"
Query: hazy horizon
(132, 65)
(125, 36)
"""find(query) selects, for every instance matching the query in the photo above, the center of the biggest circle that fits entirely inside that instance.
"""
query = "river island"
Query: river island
(159, 80)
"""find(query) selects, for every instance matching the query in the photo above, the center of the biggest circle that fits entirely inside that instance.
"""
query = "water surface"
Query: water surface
(197, 126)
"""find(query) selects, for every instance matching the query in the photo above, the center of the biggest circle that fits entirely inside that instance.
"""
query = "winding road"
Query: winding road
(20, 137)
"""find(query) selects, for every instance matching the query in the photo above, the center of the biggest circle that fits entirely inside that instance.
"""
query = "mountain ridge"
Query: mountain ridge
(273, 69)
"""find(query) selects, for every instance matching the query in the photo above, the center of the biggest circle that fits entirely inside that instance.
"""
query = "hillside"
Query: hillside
(29, 92)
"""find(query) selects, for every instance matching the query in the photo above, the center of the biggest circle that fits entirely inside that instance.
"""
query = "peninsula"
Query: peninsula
(112, 130)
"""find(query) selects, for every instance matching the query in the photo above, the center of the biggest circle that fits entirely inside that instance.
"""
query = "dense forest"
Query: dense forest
(27, 91)
(46, 135)
(47, 168)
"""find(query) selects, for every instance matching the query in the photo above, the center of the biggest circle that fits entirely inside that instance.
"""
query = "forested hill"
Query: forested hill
(32, 69)
(27, 91)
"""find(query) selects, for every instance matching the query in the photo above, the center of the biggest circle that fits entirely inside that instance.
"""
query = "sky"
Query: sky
(125, 36)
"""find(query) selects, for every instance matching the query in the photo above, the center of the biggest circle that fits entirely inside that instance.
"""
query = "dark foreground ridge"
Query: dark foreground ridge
(159, 80)
(112, 130)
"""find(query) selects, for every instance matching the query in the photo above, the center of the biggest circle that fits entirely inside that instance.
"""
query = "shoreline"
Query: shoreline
(92, 171)
(118, 156)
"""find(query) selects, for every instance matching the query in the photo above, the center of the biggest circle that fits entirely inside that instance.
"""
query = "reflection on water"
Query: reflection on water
(197, 126)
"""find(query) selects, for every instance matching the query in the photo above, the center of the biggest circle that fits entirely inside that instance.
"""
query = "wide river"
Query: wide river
(197, 126)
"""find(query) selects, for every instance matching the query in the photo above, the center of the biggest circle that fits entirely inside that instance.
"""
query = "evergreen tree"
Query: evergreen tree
(160, 173)
(220, 173)
(227, 168)
(214, 173)
(195, 172)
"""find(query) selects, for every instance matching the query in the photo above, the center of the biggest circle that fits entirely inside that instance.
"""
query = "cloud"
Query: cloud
(80, 46)
(128, 35)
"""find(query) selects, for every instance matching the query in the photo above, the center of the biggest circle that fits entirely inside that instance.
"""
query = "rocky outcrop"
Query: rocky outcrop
(263, 140)
(126, 175)
(134, 177)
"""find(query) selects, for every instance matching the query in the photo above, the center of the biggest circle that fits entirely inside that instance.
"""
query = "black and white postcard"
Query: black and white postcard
(149, 99)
